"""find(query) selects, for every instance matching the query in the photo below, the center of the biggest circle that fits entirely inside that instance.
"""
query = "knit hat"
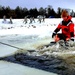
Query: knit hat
(64, 13)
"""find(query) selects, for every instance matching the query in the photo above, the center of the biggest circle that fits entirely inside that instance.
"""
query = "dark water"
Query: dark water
(47, 63)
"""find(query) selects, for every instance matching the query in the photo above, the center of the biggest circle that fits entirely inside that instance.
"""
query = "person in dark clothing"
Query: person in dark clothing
(66, 26)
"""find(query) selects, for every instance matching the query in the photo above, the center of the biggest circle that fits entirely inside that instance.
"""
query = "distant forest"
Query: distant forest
(20, 12)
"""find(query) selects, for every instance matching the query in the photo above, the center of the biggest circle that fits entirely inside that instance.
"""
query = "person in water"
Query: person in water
(66, 26)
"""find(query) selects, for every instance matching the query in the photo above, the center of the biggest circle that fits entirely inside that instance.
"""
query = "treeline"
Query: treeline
(20, 12)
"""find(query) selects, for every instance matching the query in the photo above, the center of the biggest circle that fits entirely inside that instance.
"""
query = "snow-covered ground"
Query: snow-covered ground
(18, 27)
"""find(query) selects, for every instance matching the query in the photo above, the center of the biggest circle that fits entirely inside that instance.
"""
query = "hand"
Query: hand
(67, 39)
(53, 35)
(56, 38)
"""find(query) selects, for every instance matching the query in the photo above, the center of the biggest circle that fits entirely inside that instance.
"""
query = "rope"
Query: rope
(10, 45)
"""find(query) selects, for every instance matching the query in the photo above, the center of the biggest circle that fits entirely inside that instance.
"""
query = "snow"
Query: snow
(18, 27)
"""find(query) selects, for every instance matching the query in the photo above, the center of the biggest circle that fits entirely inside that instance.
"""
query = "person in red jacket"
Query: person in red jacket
(66, 26)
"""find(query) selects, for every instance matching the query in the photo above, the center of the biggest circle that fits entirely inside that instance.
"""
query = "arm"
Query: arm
(56, 30)
(72, 30)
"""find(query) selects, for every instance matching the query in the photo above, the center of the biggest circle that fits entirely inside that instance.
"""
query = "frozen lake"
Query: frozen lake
(24, 36)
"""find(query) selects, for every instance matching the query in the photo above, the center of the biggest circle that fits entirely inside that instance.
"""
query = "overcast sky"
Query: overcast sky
(39, 3)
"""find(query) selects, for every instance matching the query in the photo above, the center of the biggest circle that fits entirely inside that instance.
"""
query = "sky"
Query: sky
(39, 3)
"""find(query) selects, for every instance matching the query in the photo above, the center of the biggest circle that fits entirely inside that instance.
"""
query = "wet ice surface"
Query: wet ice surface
(37, 55)
(23, 42)
(18, 40)
(8, 68)
(43, 58)
(15, 41)
(50, 64)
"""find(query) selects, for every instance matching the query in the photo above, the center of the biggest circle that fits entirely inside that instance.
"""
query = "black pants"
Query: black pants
(61, 36)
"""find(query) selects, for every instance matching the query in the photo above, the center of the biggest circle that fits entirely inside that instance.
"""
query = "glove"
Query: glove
(54, 33)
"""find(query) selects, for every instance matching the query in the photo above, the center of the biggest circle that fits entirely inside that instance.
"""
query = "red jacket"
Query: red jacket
(67, 28)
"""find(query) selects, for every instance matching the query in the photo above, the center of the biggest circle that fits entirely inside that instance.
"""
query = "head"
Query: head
(64, 15)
